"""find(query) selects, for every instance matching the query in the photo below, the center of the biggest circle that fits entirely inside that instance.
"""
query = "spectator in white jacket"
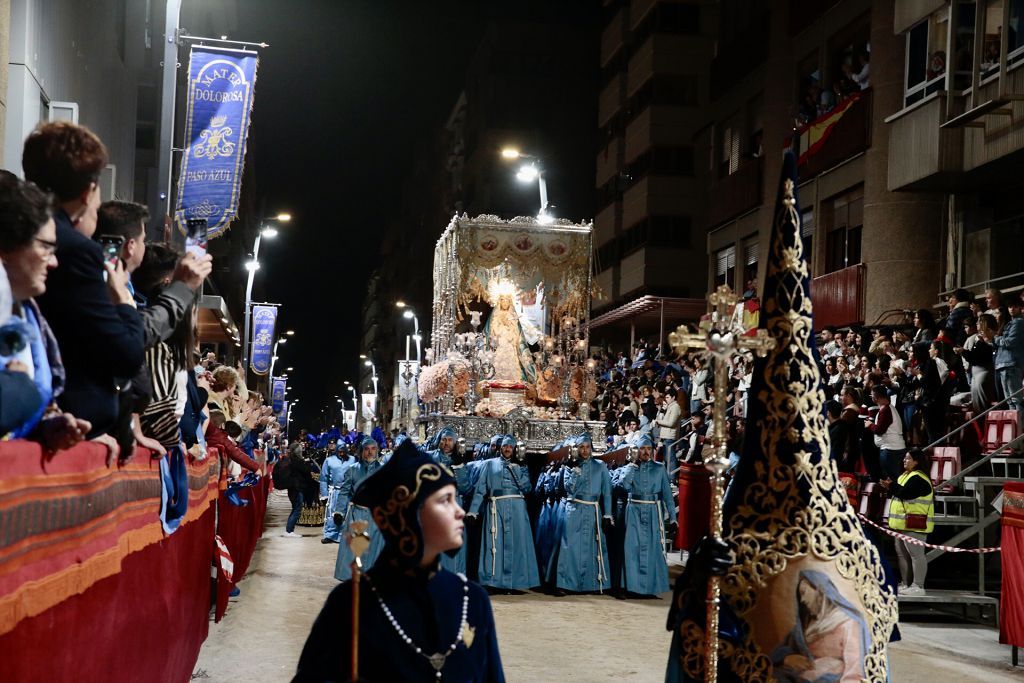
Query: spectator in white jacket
(698, 386)
(669, 416)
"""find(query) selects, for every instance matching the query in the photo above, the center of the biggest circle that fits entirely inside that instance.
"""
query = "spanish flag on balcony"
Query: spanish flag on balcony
(812, 137)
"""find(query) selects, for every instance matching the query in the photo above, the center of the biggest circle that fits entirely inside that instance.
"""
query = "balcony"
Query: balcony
(923, 155)
(834, 137)
(839, 297)
(737, 193)
(608, 102)
(611, 38)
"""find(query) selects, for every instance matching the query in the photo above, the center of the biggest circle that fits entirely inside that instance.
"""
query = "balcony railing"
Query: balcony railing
(834, 137)
(839, 297)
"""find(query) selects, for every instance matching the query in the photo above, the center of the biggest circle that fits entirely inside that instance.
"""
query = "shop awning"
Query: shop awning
(215, 323)
(651, 309)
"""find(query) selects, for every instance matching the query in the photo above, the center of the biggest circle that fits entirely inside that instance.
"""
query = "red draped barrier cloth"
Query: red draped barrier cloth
(239, 527)
(694, 505)
(1011, 599)
(90, 586)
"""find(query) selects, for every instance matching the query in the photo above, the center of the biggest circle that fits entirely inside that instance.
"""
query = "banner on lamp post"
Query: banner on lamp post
(350, 419)
(368, 406)
(277, 394)
(407, 374)
(264, 319)
(218, 105)
(282, 419)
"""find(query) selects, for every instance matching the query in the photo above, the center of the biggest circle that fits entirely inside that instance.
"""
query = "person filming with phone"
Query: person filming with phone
(86, 302)
(163, 306)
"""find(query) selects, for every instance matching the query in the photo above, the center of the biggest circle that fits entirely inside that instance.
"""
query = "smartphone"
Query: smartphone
(195, 236)
(111, 245)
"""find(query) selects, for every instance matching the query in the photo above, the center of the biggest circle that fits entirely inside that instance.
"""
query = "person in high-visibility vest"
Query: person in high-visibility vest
(912, 514)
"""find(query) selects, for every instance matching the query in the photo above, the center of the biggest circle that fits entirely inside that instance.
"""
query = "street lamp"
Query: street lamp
(410, 314)
(528, 173)
(270, 232)
(273, 356)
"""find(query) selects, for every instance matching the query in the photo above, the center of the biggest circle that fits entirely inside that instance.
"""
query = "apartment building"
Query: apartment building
(654, 61)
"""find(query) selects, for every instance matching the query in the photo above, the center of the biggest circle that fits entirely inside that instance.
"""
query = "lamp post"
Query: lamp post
(273, 356)
(532, 171)
(410, 314)
(270, 232)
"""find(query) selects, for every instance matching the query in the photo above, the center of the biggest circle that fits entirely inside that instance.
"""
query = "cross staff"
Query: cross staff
(721, 340)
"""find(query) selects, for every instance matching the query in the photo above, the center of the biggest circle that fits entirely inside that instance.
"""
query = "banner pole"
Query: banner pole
(168, 93)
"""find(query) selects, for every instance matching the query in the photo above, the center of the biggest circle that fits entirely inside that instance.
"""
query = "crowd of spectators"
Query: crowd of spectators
(818, 99)
(888, 388)
(98, 328)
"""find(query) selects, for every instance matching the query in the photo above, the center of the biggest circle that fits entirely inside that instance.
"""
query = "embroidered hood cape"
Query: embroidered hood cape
(786, 516)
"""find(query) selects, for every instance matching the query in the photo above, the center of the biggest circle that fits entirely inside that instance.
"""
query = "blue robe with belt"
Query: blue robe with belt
(507, 556)
(583, 549)
(332, 474)
(463, 487)
(649, 508)
(353, 476)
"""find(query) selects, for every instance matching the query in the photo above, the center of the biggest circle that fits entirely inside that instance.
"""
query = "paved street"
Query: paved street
(589, 638)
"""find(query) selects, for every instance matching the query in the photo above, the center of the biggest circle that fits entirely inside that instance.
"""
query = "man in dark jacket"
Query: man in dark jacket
(300, 476)
(87, 303)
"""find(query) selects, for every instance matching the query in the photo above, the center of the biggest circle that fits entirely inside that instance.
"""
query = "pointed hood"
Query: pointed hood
(786, 515)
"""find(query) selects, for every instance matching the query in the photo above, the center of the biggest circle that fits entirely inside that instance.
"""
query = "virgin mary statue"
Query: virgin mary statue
(513, 361)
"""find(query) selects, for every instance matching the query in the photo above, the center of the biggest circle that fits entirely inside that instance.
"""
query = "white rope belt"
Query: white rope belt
(597, 533)
(661, 516)
(494, 526)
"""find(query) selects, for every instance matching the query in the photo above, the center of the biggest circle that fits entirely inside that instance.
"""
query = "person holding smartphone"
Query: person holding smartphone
(101, 331)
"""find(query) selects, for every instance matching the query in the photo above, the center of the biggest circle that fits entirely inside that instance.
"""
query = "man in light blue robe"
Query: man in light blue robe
(508, 560)
(446, 454)
(650, 510)
(332, 474)
(583, 549)
(367, 464)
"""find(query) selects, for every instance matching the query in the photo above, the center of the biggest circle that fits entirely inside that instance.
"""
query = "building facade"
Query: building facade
(654, 60)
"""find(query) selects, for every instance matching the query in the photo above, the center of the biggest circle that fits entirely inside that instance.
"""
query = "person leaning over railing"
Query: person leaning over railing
(27, 245)
(87, 302)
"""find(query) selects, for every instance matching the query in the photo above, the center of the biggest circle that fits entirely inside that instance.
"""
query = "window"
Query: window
(750, 249)
(668, 18)
(1014, 39)
(729, 149)
(807, 232)
(607, 255)
(670, 161)
(846, 221)
(670, 232)
(993, 29)
(725, 266)
(963, 46)
(926, 57)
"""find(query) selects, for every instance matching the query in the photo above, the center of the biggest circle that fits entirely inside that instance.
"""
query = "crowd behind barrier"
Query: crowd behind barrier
(888, 388)
(115, 425)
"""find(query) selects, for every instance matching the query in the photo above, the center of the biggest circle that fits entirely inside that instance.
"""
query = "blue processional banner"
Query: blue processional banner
(282, 419)
(264, 318)
(220, 94)
(277, 394)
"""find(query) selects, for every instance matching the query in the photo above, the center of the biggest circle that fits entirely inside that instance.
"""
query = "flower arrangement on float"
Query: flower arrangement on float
(433, 382)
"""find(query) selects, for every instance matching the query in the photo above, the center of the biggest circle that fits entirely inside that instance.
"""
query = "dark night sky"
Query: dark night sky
(342, 93)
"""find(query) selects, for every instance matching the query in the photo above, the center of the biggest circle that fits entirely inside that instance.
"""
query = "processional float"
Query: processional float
(509, 348)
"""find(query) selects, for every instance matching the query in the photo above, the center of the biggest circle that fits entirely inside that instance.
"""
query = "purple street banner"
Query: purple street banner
(282, 419)
(277, 394)
(219, 103)
(264, 318)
